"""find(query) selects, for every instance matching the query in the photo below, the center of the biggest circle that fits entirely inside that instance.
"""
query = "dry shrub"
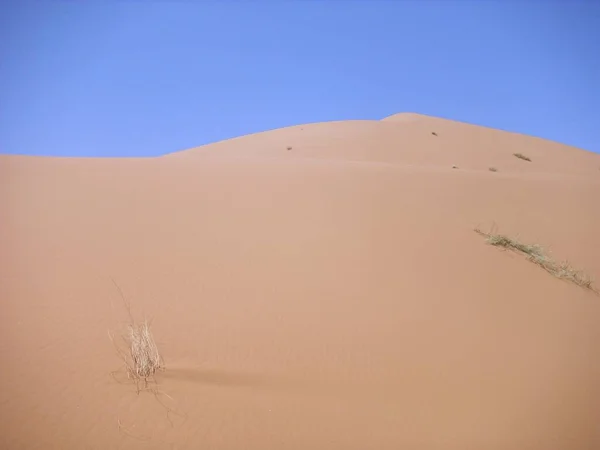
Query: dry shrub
(145, 359)
(137, 348)
(141, 359)
(536, 254)
(521, 156)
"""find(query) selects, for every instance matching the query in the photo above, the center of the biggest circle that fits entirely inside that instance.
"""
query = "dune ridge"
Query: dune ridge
(316, 286)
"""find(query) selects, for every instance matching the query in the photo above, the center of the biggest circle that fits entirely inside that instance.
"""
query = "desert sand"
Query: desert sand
(313, 287)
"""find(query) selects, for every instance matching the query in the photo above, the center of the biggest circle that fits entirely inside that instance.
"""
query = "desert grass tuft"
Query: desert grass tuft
(137, 349)
(536, 254)
(145, 359)
(521, 156)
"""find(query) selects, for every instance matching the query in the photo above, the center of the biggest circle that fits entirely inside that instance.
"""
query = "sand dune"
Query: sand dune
(331, 295)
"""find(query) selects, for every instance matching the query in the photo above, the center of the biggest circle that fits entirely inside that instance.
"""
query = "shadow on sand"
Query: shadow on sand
(219, 377)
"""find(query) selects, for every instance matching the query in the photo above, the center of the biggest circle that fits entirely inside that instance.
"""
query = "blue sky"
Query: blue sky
(144, 78)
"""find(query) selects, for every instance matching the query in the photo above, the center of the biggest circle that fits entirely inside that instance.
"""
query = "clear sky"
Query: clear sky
(144, 78)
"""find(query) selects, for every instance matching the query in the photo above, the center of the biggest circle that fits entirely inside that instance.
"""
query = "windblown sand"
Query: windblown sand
(329, 296)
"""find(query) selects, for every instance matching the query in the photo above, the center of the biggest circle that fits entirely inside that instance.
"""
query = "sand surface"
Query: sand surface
(329, 296)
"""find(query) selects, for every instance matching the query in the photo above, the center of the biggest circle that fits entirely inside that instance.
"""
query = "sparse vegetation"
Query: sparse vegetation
(523, 157)
(493, 169)
(137, 349)
(145, 359)
(288, 147)
(455, 167)
(536, 254)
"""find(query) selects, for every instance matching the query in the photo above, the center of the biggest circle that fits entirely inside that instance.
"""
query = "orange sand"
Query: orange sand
(331, 296)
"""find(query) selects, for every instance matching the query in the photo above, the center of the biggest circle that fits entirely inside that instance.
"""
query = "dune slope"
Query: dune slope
(319, 286)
